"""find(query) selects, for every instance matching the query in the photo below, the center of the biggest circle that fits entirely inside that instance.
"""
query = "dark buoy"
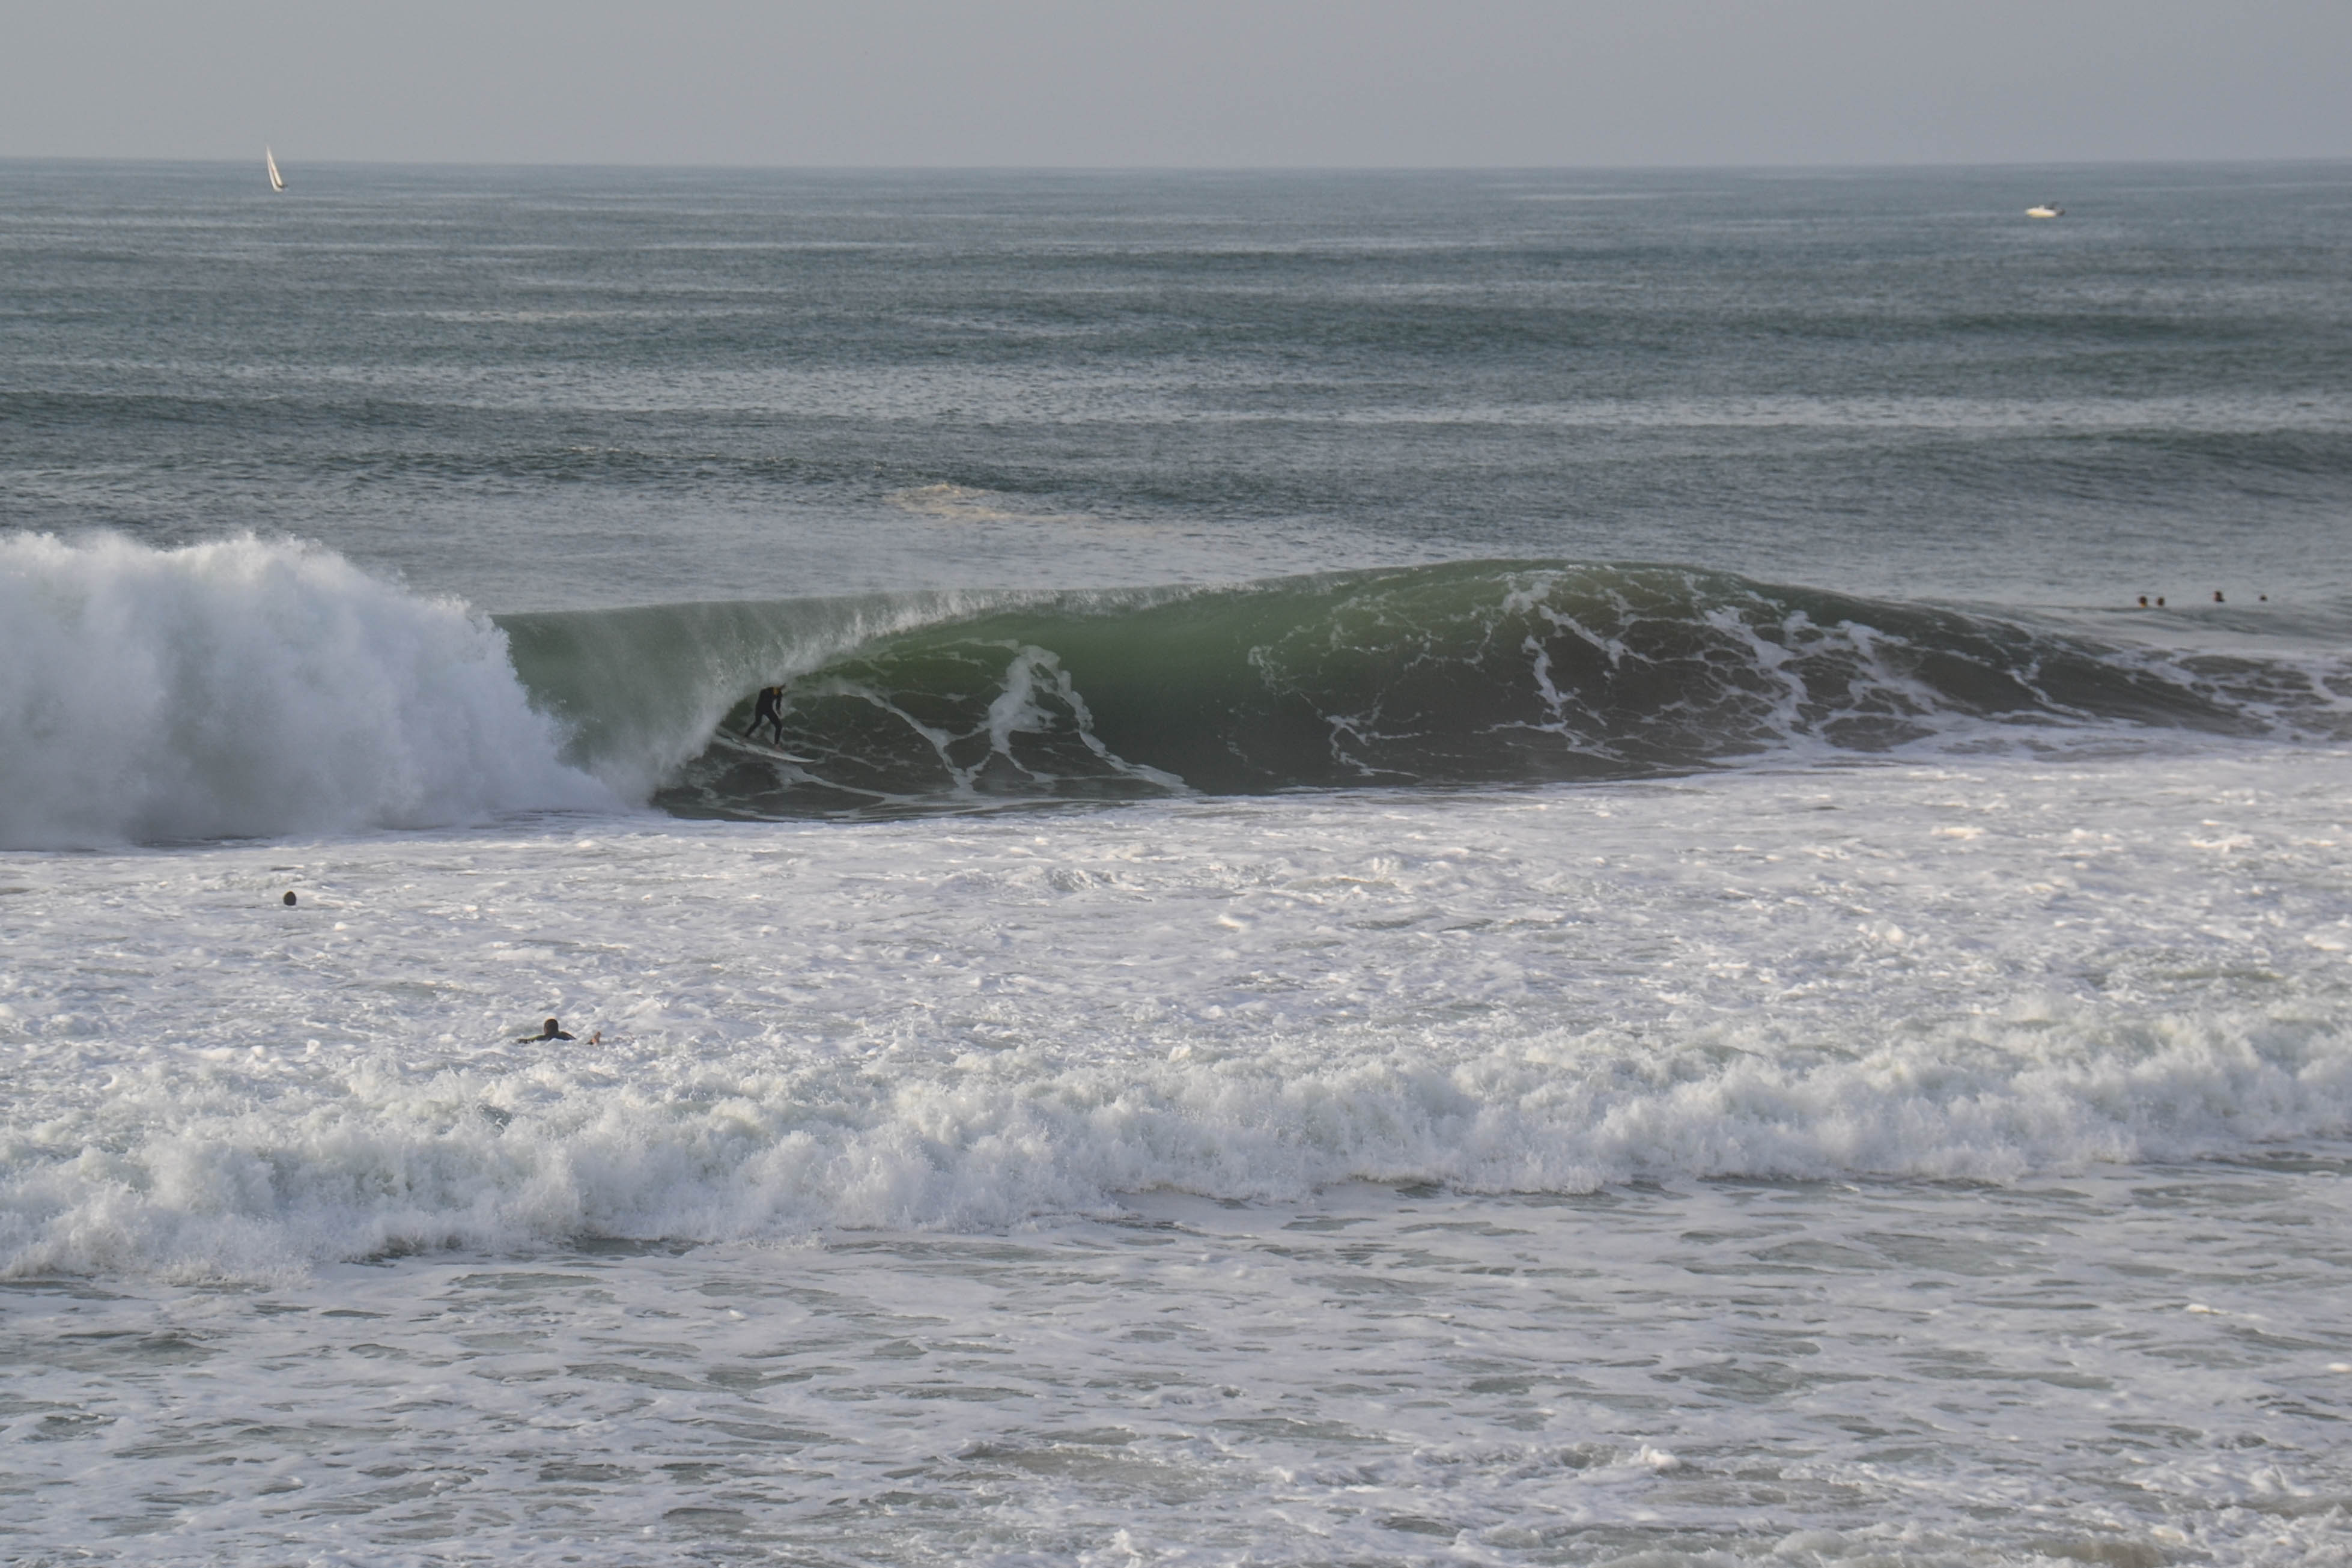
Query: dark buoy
(290, 899)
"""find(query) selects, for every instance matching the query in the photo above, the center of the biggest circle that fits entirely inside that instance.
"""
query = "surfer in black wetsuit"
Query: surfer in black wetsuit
(764, 713)
(551, 1030)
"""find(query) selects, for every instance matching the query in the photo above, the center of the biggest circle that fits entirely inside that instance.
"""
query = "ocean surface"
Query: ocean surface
(1471, 868)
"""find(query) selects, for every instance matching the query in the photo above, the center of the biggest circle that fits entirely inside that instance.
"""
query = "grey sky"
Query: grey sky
(1209, 82)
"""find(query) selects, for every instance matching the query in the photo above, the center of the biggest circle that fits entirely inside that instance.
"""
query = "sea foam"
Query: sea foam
(225, 1171)
(251, 687)
(967, 1026)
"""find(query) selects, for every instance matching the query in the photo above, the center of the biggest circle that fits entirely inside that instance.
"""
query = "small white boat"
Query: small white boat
(270, 162)
(2046, 210)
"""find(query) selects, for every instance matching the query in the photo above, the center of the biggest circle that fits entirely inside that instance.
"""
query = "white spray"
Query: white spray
(251, 687)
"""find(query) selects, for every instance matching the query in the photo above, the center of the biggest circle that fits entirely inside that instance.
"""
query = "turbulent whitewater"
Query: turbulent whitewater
(247, 687)
(973, 1024)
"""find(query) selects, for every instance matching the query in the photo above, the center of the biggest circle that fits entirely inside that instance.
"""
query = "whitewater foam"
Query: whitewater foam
(964, 1026)
(243, 1172)
(251, 687)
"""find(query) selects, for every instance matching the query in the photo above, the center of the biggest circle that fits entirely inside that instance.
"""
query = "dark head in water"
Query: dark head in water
(551, 1030)
(289, 897)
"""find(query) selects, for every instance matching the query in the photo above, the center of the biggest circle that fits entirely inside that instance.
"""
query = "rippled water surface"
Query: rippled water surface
(2122, 1367)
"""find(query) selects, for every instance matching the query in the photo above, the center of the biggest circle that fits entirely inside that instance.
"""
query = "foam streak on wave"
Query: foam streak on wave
(245, 687)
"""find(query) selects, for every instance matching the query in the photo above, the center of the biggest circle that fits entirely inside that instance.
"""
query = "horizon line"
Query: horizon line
(1616, 168)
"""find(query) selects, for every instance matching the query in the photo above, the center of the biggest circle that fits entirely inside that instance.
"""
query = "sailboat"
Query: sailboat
(269, 160)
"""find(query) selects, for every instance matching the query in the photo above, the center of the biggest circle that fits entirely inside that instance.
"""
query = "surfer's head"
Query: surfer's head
(550, 1028)
(289, 897)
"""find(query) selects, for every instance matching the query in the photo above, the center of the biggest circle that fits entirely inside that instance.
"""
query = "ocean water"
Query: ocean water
(1459, 867)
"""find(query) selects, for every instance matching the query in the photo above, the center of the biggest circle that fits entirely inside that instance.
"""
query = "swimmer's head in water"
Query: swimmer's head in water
(289, 898)
(552, 1027)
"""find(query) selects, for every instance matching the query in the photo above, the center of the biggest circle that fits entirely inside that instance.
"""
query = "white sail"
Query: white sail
(276, 180)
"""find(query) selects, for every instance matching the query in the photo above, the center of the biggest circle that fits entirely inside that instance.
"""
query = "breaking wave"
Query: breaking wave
(1470, 673)
(208, 1172)
(249, 687)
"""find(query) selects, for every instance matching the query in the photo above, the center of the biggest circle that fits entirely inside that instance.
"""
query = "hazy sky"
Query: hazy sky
(1206, 82)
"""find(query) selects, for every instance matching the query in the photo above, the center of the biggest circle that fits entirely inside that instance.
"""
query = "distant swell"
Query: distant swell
(1462, 674)
(247, 688)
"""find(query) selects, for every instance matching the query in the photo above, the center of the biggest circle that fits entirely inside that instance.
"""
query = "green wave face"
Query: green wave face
(1474, 673)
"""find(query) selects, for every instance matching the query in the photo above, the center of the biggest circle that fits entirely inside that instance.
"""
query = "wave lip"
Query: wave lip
(248, 688)
(1463, 674)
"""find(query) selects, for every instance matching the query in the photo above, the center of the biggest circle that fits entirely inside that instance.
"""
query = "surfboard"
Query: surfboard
(737, 740)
